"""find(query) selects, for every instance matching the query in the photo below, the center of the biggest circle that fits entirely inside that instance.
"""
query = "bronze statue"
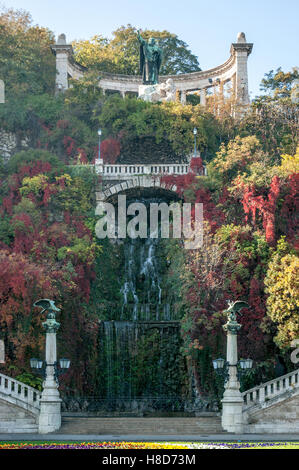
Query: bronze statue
(150, 60)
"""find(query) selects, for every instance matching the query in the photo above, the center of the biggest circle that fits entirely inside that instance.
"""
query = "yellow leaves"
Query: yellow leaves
(82, 249)
(34, 185)
(237, 154)
(65, 178)
(289, 164)
(282, 287)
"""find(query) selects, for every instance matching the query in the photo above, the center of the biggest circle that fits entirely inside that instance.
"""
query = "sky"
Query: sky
(208, 27)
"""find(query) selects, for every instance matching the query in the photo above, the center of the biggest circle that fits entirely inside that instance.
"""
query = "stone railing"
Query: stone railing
(267, 391)
(152, 169)
(20, 394)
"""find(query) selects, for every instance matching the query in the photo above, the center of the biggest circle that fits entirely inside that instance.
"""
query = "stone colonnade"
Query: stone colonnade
(234, 70)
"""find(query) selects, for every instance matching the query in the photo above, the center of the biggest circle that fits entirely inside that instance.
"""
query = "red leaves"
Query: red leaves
(267, 207)
(110, 150)
(196, 165)
(290, 209)
(69, 145)
(21, 283)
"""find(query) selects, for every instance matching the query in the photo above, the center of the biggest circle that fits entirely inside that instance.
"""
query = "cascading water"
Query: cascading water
(141, 290)
(138, 344)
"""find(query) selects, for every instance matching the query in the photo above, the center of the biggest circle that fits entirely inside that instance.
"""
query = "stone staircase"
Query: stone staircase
(273, 407)
(19, 406)
(16, 420)
(141, 426)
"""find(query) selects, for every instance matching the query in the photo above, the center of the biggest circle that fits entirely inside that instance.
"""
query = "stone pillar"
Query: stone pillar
(2, 92)
(50, 403)
(203, 92)
(99, 167)
(183, 97)
(241, 50)
(62, 50)
(232, 402)
(2, 352)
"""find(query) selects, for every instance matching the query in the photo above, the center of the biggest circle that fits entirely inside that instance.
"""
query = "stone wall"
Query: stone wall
(9, 145)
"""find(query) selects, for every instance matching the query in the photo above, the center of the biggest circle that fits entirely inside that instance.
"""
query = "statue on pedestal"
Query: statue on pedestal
(150, 60)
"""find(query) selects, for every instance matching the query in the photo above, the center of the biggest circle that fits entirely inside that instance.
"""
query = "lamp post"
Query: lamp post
(195, 133)
(232, 401)
(99, 164)
(50, 403)
(40, 366)
(99, 153)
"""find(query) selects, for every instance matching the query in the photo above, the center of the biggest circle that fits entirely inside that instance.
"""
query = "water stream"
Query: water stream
(140, 347)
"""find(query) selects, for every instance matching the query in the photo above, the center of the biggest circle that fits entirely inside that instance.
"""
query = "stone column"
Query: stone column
(2, 92)
(62, 50)
(183, 97)
(2, 352)
(232, 402)
(203, 92)
(50, 404)
(241, 50)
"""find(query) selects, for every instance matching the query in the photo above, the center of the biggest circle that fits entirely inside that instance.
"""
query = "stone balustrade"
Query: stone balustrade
(20, 394)
(112, 171)
(274, 388)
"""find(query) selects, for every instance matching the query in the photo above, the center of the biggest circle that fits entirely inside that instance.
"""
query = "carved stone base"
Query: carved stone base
(232, 411)
(159, 92)
(50, 416)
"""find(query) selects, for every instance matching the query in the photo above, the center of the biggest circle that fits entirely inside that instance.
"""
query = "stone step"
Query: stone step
(18, 421)
(16, 415)
(73, 425)
(14, 430)
(267, 428)
(18, 426)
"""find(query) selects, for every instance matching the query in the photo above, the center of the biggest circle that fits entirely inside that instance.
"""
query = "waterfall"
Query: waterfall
(136, 345)
(141, 290)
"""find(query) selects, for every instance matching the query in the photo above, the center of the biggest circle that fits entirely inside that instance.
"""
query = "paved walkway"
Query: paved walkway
(225, 437)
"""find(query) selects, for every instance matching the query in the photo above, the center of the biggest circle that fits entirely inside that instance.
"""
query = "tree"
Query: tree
(282, 286)
(279, 84)
(162, 129)
(274, 116)
(26, 62)
(235, 158)
(121, 53)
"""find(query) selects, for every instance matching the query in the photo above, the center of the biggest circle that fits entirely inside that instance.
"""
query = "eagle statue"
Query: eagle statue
(46, 304)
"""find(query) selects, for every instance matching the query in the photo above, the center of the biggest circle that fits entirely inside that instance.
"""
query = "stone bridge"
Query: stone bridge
(234, 71)
(137, 179)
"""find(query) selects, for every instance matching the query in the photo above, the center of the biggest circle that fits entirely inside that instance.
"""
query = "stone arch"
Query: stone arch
(144, 184)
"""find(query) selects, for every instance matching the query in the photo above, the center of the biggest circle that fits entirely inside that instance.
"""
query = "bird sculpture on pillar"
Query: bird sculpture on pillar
(46, 305)
(234, 308)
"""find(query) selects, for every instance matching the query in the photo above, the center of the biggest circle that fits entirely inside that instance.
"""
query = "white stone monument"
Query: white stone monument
(232, 402)
(50, 403)
(63, 52)
(160, 92)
